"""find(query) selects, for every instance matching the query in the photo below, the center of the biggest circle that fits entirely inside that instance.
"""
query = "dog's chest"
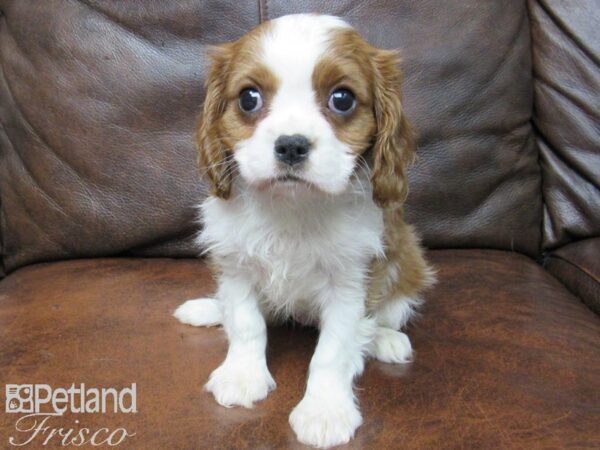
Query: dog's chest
(294, 257)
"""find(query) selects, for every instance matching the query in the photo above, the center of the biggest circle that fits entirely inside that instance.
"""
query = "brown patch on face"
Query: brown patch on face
(346, 64)
(377, 129)
(223, 124)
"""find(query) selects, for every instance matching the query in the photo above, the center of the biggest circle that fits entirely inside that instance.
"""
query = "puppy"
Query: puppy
(304, 145)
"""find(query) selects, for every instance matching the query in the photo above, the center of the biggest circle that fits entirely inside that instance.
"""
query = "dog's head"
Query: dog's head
(303, 100)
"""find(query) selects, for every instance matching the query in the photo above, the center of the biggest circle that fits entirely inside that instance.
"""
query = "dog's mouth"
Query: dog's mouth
(289, 178)
(287, 181)
(291, 182)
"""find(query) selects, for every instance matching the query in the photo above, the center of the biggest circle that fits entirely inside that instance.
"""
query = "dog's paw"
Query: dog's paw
(202, 312)
(322, 422)
(391, 346)
(240, 383)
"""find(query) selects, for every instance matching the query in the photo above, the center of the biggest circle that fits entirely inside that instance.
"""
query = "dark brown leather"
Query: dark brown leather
(566, 63)
(577, 265)
(97, 105)
(506, 358)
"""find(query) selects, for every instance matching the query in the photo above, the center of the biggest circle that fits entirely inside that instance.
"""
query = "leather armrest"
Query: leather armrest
(577, 266)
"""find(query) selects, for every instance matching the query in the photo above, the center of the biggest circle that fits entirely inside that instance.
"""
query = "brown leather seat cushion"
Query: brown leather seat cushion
(506, 357)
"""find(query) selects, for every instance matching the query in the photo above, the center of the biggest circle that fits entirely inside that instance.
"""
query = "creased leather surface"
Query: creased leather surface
(577, 265)
(97, 105)
(566, 60)
(468, 92)
(506, 358)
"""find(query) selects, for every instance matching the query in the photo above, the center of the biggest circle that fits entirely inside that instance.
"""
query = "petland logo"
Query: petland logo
(40, 403)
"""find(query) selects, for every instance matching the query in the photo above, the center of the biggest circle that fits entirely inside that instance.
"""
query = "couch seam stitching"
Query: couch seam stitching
(576, 266)
(534, 132)
(260, 11)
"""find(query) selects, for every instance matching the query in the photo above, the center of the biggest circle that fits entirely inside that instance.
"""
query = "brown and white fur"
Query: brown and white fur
(322, 242)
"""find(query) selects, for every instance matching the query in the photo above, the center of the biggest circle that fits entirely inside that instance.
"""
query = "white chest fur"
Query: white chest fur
(295, 250)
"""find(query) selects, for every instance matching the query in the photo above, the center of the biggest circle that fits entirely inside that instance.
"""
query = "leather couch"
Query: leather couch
(98, 196)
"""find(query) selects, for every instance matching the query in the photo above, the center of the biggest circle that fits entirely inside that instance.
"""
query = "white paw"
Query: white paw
(240, 383)
(322, 422)
(391, 346)
(203, 312)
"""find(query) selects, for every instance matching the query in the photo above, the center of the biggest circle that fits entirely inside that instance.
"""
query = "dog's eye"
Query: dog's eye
(250, 100)
(341, 101)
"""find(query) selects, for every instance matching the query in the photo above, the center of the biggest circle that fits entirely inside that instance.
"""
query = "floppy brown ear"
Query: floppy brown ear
(213, 155)
(394, 145)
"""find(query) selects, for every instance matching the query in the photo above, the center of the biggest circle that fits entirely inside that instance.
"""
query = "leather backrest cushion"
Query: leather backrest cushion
(98, 100)
(566, 58)
(98, 107)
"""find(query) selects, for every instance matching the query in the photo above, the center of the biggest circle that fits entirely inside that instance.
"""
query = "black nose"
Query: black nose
(292, 149)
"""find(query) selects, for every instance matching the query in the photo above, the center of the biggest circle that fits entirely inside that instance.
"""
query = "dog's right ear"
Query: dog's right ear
(213, 156)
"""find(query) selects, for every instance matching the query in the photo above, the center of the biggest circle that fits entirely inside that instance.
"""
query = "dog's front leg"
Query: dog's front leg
(328, 414)
(243, 378)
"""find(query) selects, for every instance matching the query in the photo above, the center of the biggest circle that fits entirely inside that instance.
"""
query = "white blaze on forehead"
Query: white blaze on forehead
(293, 44)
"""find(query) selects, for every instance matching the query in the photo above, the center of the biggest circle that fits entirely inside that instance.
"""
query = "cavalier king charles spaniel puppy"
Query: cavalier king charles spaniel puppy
(304, 144)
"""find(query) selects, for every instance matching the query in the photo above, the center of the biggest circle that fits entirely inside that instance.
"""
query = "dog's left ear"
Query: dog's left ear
(394, 145)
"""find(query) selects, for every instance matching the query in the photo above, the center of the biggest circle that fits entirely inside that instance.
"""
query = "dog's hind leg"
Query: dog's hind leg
(389, 344)
(201, 312)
